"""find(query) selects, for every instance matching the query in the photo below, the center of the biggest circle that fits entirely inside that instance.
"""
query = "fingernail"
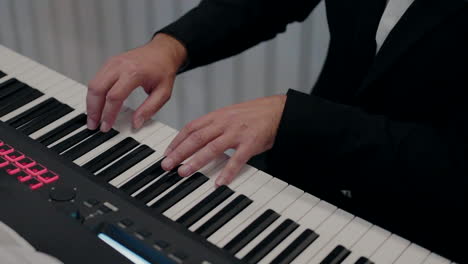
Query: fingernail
(92, 125)
(139, 122)
(219, 181)
(105, 127)
(167, 164)
(185, 170)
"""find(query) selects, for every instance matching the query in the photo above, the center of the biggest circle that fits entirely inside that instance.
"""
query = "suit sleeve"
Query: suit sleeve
(217, 29)
(410, 177)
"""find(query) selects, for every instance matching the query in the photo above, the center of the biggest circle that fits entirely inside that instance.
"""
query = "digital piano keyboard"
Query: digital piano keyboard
(91, 197)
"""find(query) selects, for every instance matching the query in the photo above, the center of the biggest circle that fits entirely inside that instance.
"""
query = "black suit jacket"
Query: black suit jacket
(391, 128)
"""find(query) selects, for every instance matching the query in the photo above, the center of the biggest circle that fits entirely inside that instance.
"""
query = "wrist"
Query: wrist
(172, 47)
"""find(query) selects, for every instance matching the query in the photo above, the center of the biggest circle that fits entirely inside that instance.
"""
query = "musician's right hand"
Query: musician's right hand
(152, 66)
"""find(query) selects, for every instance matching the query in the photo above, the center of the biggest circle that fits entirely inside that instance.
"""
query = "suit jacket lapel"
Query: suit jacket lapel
(419, 19)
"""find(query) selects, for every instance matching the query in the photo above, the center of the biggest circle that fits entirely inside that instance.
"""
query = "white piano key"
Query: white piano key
(24, 108)
(24, 72)
(76, 131)
(346, 238)
(45, 80)
(71, 94)
(19, 69)
(9, 60)
(294, 211)
(143, 165)
(206, 189)
(312, 220)
(390, 250)
(158, 134)
(303, 206)
(34, 102)
(414, 254)
(327, 230)
(56, 124)
(149, 140)
(436, 259)
(202, 189)
(162, 133)
(205, 170)
(278, 204)
(260, 198)
(368, 244)
(254, 183)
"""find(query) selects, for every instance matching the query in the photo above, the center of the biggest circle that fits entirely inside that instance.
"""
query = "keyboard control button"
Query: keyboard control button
(23, 176)
(36, 170)
(142, 234)
(104, 209)
(25, 163)
(34, 184)
(160, 244)
(48, 177)
(3, 162)
(14, 156)
(62, 193)
(126, 223)
(179, 257)
(11, 169)
(6, 149)
(91, 202)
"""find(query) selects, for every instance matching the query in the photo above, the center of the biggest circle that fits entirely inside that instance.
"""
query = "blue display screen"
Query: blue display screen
(123, 250)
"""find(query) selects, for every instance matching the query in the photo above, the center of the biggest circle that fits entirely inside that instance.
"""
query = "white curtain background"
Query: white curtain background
(75, 37)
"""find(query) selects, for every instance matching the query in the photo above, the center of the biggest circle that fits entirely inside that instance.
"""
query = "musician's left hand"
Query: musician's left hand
(249, 128)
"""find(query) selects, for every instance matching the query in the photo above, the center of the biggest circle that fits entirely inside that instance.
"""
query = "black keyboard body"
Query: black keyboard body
(56, 226)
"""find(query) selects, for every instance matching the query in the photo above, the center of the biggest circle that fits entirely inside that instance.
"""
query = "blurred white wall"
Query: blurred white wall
(76, 37)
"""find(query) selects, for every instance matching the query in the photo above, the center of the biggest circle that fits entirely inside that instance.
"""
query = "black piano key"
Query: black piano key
(336, 256)
(296, 247)
(270, 241)
(39, 123)
(21, 98)
(33, 112)
(363, 260)
(125, 163)
(11, 96)
(8, 82)
(2, 74)
(108, 156)
(223, 216)
(142, 179)
(204, 206)
(251, 231)
(89, 144)
(12, 87)
(73, 140)
(179, 192)
(62, 130)
(159, 186)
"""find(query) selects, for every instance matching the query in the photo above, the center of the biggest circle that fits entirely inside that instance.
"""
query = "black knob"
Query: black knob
(62, 193)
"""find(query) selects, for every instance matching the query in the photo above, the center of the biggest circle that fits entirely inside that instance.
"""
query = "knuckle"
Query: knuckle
(215, 147)
(94, 88)
(191, 126)
(115, 97)
(197, 138)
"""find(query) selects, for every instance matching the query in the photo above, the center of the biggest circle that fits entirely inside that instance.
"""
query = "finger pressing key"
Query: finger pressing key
(115, 98)
(96, 96)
